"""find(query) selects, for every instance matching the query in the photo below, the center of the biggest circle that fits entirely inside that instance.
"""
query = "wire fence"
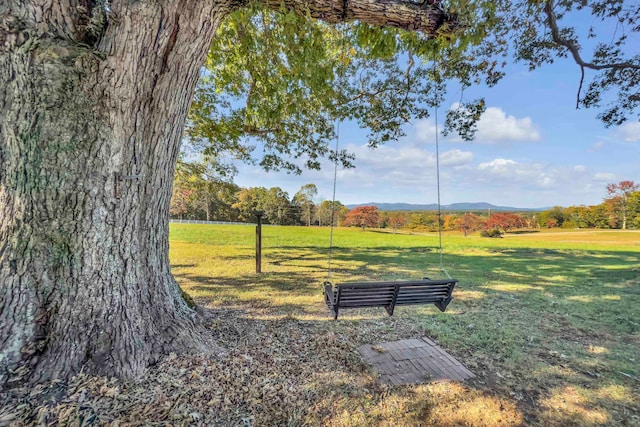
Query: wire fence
(199, 221)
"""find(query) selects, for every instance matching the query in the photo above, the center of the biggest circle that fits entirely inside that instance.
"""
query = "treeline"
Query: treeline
(369, 216)
(204, 194)
(616, 212)
(201, 192)
(619, 210)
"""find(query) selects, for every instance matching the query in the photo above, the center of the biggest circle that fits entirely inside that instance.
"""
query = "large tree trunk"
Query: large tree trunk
(90, 137)
(93, 99)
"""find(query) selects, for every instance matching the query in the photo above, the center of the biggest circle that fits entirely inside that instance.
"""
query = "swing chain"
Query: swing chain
(335, 170)
(437, 132)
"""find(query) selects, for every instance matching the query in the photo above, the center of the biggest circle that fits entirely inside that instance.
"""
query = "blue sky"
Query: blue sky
(532, 149)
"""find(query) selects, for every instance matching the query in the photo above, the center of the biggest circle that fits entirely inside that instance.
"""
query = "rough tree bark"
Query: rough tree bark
(93, 99)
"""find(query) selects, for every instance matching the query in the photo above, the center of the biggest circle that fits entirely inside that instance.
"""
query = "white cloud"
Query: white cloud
(498, 166)
(426, 131)
(604, 177)
(399, 169)
(496, 126)
(406, 158)
(531, 176)
(456, 158)
(630, 131)
(597, 146)
(405, 173)
(389, 157)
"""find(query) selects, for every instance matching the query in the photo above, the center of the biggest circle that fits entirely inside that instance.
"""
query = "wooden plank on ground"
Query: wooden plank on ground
(413, 361)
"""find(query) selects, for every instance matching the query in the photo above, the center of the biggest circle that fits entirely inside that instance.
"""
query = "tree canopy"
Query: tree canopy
(621, 198)
(362, 216)
(282, 79)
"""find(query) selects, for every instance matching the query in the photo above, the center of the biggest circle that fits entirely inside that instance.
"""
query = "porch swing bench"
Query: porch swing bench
(388, 294)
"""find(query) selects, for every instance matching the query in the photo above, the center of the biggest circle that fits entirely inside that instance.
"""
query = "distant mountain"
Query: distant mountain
(481, 206)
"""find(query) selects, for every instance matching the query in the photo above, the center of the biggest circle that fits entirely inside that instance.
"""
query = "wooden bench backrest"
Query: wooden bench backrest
(388, 294)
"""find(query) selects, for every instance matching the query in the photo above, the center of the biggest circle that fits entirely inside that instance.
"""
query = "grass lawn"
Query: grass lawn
(549, 322)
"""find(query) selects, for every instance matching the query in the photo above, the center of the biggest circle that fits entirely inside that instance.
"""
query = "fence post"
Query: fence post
(259, 214)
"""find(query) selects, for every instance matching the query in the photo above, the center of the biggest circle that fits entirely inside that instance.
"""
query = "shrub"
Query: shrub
(494, 232)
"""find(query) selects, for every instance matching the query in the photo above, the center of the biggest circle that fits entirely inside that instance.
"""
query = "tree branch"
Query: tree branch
(574, 49)
(427, 17)
(252, 130)
(580, 87)
(365, 94)
(407, 75)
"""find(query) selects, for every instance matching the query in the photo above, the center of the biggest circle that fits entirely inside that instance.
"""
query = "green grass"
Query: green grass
(550, 322)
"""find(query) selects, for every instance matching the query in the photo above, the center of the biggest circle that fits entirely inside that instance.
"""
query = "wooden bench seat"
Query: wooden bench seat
(388, 294)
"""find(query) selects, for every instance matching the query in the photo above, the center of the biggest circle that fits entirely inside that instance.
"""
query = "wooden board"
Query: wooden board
(413, 361)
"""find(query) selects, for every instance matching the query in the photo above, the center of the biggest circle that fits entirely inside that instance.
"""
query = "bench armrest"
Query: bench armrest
(329, 295)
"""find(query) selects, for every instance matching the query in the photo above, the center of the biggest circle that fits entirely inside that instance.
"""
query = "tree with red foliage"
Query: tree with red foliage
(362, 216)
(469, 222)
(180, 201)
(505, 221)
(397, 220)
(618, 198)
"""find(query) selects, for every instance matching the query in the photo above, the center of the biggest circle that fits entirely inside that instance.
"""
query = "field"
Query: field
(549, 322)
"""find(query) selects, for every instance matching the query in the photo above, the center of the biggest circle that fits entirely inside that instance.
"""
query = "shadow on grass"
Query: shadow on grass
(335, 387)
(555, 331)
(345, 392)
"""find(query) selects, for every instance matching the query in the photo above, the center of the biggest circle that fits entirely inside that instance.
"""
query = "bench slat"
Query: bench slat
(426, 294)
(365, 304)
(422, 291)
(410, 297)
(387, 297)
(370, 292)
(365, 301)
(385, 301)
(366, 286)
(402, 283)
(419, 300)
(365, 295)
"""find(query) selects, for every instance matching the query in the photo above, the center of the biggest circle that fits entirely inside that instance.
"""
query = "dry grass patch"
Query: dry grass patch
(277, 371)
